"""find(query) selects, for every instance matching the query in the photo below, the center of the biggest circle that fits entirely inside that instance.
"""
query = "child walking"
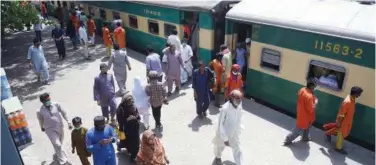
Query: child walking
(79, 141)
(141, 101)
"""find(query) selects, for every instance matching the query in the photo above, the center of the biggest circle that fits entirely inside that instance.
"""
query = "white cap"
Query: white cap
(247, 40)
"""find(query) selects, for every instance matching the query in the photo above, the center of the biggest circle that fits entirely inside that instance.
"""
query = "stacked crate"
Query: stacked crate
(19, 128)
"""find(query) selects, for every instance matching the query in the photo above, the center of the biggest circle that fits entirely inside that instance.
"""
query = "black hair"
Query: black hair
(116, 47)
(168, 44)
(310, 83)
(105, 24)
(82, 13)
(89, 17)
(223, 47)
(356, 90)
(118, 24)
(65, 4)
(35, 40)
(149, 49)
(74, 13)
(43, 97)
(76, 120)
(99, 119)
(174, 32)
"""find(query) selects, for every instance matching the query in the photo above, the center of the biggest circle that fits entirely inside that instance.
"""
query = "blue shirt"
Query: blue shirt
(101, 154)
(240, 56)
(57, 33)
(153, 62)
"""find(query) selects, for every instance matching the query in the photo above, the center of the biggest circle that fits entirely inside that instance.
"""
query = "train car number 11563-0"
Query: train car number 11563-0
(338, 49)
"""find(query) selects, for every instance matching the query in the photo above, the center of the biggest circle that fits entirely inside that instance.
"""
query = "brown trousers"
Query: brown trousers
(84, 159)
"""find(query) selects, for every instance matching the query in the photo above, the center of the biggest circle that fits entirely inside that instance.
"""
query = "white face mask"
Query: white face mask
(184, 44)
(235, 73)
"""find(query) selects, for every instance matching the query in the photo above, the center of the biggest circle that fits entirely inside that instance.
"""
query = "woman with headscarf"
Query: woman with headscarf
(152, 151)
(141, 100)
(128, 119)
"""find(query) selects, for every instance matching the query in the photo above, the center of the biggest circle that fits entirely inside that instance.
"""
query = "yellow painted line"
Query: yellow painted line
(294, 67)
(206, 39)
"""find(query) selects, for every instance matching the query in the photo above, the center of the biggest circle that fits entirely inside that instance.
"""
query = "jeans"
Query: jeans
(296, 132)
(38, 35)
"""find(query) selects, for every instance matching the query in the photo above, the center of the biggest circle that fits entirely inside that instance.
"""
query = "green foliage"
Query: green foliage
(14, 15)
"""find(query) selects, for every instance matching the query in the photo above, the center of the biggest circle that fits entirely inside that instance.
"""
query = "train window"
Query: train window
(91, 11)
(168, 29)
(153, 27)
(133, 21)
(327, 75)
(102, 14)
(115, 15)
(270, 59)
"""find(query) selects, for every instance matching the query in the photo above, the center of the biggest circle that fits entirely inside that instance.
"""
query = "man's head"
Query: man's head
(184, 42)
(36, 42)
(89, 17)
(172, 48)
(45, 99)
(105, 24)
(116, 47)
(235, 69)
(174, 32)
(223, 47)
(82, 13)
(202, 66)
(248, 41)
(356, 91)
(99, 123)
(82, 24)
(58, 4)
(77, 122)
(153, 75)
(56, 25)
(81, 8)
(311, 84)
(149, 50)
(218, 56)
(236, 98)
(118, 24)
(103, 67)
(74, 13)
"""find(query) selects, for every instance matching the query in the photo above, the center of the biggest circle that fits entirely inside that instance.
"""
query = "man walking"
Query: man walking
(119, 34)
(201, 87)
(38, 62)
(187, 55)
(104, 92)
(174, 62)
(173, 39)
(38, 30)
(99, 142)
(229, 128)
(344, 120)
(107, 41)
(153, 63)
(84, 40)
(91, 28)
(58, 36)
(120, 60)
(226, 60)
(50, 117)
(218, 69)
(157, 93)
(305, 113)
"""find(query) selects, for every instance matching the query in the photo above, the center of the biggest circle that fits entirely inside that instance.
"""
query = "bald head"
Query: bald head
(236, 94)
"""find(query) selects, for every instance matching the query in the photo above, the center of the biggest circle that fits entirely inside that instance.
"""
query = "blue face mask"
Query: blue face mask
(47, 103)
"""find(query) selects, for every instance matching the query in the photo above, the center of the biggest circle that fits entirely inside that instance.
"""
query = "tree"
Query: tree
(15, 14)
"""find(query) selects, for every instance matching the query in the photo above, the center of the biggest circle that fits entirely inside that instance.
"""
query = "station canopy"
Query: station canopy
(339, 18)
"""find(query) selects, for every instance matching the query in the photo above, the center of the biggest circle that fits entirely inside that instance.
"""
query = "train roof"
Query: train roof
(330, 17)
(184, 5)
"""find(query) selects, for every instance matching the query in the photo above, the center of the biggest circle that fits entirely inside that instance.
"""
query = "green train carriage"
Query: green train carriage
(150, 23)
(332, 41)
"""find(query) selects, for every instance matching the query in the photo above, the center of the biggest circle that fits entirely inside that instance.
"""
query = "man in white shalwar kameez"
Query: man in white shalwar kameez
(50, 117)
(229, 128)
(141, 100)
(120, 60)
(186, 55)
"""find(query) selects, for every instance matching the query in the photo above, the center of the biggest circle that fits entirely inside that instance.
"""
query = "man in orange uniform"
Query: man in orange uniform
(75, 20)
(344, 119)
(44, 10)
(119, 33)
(233, 81)
(305, 113)
(91, 28)
(217, 67)
(107, 38)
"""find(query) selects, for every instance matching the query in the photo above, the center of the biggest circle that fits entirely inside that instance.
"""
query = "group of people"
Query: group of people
(305, 116)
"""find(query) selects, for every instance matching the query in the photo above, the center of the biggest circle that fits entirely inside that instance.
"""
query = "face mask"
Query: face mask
(47, 103)
(77, 128)
(100, 128)
(235, 73)
(184, 44)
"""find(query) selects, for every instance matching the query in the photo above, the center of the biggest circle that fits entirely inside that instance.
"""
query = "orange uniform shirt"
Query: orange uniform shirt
(218, 69)
(233, 83)
(44, 8)
(347, 111)
(75, 21)
(305, 108)
(120, 37)
(106, 36)
(91, 27)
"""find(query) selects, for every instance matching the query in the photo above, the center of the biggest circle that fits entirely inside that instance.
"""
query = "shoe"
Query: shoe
(342, 151)
(169, 94)
(177, 90)
(218, 161)
(218, 105)
(205, 114)
(307, 139)
(286, 143)
(46, 83)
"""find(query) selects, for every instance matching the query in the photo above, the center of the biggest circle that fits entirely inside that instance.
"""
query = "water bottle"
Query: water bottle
(27, 135)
